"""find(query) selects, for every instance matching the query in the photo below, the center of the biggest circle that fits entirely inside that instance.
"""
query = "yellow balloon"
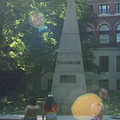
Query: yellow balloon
(82, 105)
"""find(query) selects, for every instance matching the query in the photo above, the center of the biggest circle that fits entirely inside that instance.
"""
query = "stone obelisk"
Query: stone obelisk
(69, 79)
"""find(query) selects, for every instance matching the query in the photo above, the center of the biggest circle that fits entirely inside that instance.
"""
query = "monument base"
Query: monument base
(65, 107)
(65, 96)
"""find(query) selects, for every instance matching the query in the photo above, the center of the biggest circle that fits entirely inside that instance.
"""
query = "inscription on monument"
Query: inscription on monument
(67, 78)
(68, 62)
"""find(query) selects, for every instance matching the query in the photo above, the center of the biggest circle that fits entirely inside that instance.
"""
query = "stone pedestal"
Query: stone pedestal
(69, 79)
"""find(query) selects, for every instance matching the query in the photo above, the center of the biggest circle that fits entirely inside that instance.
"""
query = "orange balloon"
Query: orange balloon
(82, 105)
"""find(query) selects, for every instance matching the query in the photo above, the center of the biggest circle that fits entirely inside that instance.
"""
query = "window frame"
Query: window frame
(117, 33)
(91, 7)
(118, 84)
(89, 31)
(101, 9)
(49, 84)
(117, 8)
(88, 85)
(104, 81)
(117, 63)
(103, 64)
(102, 32)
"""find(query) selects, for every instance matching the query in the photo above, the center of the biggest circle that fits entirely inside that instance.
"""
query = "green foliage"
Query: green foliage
(27, 46)
(85, 17)
(112, 104)
(24, 47)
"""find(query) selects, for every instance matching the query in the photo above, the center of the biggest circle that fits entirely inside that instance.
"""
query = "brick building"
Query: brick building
(107, 30)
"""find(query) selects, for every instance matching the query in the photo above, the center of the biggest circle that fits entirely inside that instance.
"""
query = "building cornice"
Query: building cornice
(109, 15)
(108, 48)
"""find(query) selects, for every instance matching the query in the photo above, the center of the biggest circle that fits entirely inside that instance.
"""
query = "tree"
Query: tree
(24, 46)
(85, 16)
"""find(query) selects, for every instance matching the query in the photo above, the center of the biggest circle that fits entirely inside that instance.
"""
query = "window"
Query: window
(88, 85)
(104, 84)
(91, 7)
(118, 63)
(117, 8)
(118, 33)
(104, 9)
(104, 34)
(118, 85)
(49, 84)
(104, 63)
(104, 28)
(118, 37)
(89, 30)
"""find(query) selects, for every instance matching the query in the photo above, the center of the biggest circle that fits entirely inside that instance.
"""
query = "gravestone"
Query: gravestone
(69, 79)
